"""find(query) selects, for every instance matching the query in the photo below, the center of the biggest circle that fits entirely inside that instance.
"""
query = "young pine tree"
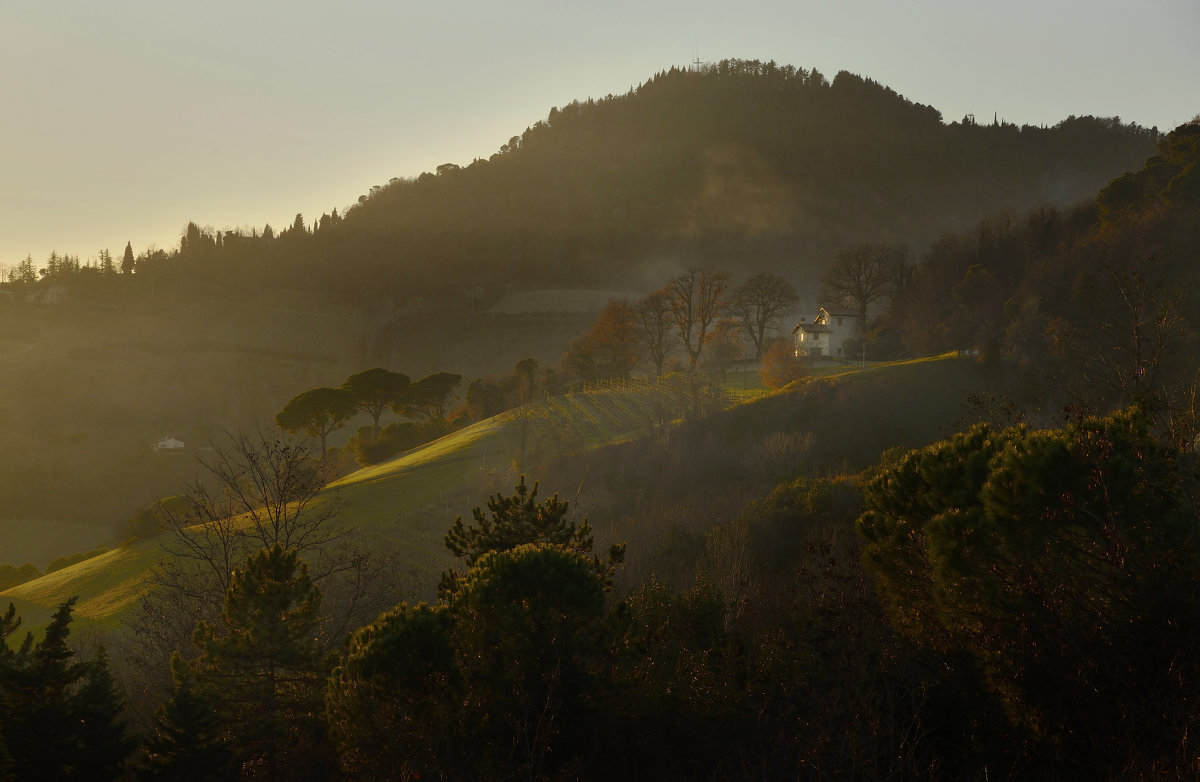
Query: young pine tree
(261, 668)
(61, 716)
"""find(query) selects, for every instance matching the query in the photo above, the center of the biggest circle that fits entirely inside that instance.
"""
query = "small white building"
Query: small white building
(830, 334)
(168, 445)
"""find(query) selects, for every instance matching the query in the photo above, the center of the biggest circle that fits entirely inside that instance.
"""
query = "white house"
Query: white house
(168, 445)
(829, 334)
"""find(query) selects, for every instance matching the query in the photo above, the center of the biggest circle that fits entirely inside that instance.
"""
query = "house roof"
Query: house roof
(812, 328)
(840, 311)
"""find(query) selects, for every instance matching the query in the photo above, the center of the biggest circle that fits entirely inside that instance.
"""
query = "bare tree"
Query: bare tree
(863, 274)
(697, 298)
(257, 490)
(758, 303)
(653, 326)
(1128, 343)
(262, 489)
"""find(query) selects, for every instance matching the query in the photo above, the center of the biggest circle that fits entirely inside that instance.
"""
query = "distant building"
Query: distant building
(168, 445)
(833, 333)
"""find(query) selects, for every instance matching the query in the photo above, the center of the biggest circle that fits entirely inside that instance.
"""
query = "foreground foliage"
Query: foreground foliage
(1063, 564)
(1016, 603)
(60, 715)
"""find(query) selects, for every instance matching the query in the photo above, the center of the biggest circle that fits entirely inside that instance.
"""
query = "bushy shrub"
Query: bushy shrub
(780, 365)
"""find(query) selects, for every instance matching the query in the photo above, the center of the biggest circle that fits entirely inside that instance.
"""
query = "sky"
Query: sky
(122, 120)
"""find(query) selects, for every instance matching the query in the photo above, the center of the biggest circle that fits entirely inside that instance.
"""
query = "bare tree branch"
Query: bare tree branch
(697, 297)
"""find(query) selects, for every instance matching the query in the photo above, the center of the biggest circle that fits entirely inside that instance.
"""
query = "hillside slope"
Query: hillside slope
(741, 164)
(568, 441)
(745, 165)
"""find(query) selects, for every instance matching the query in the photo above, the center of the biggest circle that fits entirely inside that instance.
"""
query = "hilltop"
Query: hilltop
(741, 164)
(746, 165)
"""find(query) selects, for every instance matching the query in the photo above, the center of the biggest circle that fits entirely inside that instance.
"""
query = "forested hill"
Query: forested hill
(1096, 305)
(737, 164)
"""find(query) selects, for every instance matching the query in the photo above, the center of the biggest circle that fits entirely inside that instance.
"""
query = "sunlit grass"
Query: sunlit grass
(105, 585)
(411, 500)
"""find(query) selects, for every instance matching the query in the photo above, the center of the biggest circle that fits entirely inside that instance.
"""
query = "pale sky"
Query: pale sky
(125, 119)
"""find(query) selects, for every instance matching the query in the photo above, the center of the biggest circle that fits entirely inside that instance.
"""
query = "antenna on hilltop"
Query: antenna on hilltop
(696, 60)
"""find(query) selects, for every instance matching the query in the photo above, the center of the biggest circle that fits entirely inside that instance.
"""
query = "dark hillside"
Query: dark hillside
(688, 479)
(1093, 306)
(740, 164)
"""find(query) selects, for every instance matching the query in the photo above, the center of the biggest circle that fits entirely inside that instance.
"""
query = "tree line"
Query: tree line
(693, 311)
(1088, 306)
(318, 412)
(737, 159)
(700, 309)
(60, 268)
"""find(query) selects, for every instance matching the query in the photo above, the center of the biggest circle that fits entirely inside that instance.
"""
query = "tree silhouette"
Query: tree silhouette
(1063, 562)
(519, 518)
(186, 742)
(375, 390)
(653, 326)
(318, 412)
(62, 715)
(428, 396)
(697, 298)
(394, 698)
(528, 637)
(261, 667)
(758, 303)
(127, 259)
(862, 275)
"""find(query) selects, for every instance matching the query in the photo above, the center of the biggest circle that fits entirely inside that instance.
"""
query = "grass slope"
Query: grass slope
(411, 500)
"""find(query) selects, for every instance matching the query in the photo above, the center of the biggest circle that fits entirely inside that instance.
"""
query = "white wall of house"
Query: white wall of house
(829, 334)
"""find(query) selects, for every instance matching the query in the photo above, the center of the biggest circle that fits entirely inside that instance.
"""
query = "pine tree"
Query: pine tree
(103, 742)
(61, 715)
(394, 702)
(187, 742)
(127, 259)
(26, 271)
(529, 645)
(108, 267)
(519, 519)
(262, 668)
(39, 730)
(9, 622)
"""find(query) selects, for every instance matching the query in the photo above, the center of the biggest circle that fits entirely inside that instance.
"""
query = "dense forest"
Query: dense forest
(979, 565)
(727, 164)
(1088, 306)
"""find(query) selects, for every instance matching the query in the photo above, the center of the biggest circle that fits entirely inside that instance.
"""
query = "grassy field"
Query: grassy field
(411, 500)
